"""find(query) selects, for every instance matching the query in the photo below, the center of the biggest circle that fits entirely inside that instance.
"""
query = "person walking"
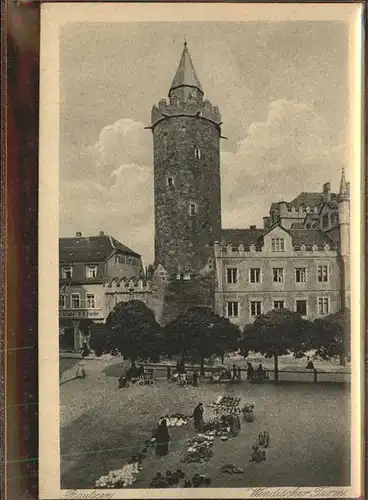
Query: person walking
(162, 439)
(198, 417)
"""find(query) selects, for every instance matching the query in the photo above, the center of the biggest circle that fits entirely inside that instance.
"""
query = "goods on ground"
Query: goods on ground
(232, 469)
(121, 478)
(177, 420)
(199, 448)
(168, 480)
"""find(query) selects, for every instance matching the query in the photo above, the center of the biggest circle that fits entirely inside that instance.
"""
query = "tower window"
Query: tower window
(170, 181)
(197, 153)
(192, 209)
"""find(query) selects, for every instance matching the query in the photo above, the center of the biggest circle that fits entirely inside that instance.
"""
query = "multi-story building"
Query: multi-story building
(298, 260)
(87, 266)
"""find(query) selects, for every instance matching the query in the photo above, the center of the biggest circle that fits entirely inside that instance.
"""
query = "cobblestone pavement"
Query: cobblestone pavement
(101, 426)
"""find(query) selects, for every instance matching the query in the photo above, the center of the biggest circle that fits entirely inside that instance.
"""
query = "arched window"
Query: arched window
(192, 209)
(170, 181)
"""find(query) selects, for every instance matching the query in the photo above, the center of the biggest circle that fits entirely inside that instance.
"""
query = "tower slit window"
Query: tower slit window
(170, 181)
(197, 153)
(192, 209)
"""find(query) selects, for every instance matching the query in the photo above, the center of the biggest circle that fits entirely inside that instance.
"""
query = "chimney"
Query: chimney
(78, 234)
(283, 208)
(102, 233)
(252, 227)
(265, 222)
(327, 191)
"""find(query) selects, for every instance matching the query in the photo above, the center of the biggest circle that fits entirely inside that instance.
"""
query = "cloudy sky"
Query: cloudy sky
(281, 88)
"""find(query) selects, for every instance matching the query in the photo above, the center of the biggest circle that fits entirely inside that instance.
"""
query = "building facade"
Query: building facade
(87, 266)
(300, 258)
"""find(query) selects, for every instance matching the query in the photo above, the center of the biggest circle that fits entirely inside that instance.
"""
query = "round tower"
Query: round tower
(187, 190)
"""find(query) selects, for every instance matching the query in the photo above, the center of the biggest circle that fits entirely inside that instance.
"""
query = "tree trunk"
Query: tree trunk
(276, 360)
(222, 358)
(202, 366)
(342, 360)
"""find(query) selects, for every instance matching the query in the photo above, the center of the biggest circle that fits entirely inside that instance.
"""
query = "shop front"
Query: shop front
(70, 336)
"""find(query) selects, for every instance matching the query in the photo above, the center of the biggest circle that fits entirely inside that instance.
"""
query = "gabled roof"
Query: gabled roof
(247, 237)
(243, 236)
(310, 237)
(305, 200)
(90, 249)
(185, 74)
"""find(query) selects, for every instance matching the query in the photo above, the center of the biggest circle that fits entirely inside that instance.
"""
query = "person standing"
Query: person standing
(195, 378)
(198, 417)
(234, 372)
(250, 371)
(162, 439)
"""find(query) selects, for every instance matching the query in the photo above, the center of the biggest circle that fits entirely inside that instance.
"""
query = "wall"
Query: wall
(180, 295)
(122, 270)
(267, 291)
(82, 313)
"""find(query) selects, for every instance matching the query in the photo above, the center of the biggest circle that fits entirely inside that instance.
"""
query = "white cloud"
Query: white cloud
(278, 158)
(117, 194)
(288, 153)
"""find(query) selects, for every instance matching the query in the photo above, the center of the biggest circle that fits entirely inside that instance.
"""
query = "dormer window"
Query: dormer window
(192, 209)
(197, 153)
(170, 181)
(277, 245)
(66, 272)
(91, 271)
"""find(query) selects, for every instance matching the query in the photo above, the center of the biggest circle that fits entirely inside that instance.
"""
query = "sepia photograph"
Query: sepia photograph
(200, 173)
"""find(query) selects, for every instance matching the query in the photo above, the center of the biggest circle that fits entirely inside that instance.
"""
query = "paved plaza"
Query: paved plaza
(102, 426)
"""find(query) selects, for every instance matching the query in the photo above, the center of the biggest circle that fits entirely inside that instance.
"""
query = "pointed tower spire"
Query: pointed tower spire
(185, 75)
(344, 192)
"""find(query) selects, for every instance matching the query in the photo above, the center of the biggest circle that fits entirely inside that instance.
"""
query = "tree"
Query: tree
(277, 333)
(331, 336)
(135, 331)
(101, 338)
(200, 333)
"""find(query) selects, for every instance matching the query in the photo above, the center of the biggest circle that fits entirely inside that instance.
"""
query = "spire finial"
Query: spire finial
(343, 194)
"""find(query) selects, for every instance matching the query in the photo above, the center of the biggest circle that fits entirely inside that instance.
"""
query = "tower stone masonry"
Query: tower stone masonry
(187, 189)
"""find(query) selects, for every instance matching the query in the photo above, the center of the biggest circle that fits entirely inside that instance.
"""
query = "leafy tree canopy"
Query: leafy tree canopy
(276, 333)
(101, 338)
(331, 335)
(199, 332)
(135, 331)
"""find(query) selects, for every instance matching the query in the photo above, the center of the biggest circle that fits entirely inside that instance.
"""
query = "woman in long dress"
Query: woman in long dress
(162, 439)
(198, 417)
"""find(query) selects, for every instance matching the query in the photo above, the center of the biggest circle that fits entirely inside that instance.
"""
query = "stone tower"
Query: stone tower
(187, 191)
(344, 229)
